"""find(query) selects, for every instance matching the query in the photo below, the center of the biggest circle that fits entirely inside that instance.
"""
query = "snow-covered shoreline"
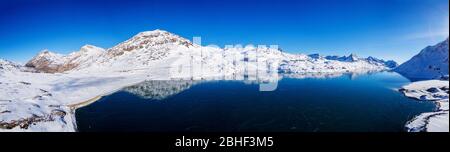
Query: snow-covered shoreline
(64, 97)
(431, 90)
(28, 102)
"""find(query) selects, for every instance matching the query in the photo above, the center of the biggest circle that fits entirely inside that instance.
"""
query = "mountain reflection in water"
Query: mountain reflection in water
(161, 89)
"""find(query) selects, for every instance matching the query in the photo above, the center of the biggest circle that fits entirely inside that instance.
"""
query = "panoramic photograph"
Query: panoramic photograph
(224, 66)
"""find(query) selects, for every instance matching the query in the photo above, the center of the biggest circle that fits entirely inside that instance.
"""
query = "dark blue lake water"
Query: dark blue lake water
(366, 103)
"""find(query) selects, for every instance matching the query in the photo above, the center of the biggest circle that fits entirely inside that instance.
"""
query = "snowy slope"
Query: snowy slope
(430, 63)
(87, 56)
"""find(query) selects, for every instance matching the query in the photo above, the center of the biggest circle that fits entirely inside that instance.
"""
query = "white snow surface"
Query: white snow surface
(430, 90)
(32, 101)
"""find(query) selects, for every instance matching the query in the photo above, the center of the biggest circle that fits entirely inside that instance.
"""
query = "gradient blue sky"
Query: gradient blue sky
(389, 29)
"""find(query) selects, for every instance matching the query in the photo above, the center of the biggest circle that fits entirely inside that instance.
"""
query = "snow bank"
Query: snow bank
(431, 90)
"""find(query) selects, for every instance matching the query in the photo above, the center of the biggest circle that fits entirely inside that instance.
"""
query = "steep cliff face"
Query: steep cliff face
(430, 63)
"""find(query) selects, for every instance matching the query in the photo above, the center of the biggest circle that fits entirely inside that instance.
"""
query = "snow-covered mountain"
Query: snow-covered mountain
(47, 61)
(143, 49)
(430, 63)
(178, 54)
(351, 58)
(388, 63)
(155, 44)
(354, 58)
(329, 64)
(7, 66)
(87, 55)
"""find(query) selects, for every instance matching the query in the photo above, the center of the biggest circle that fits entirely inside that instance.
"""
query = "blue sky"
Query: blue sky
(389, 29)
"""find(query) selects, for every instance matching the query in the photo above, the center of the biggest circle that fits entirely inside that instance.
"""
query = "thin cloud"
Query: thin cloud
(432, 32)
(427, 35)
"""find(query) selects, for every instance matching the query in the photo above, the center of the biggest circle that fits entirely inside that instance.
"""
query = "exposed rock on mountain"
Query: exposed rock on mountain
(156, 43)
(50, 62)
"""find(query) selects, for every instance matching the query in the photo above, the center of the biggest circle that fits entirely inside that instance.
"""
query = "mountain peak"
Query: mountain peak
(45, 51)
(160, 37)
(150, 40)
(350, 58)
(91, 48)
(154, 32)
(49, 55)
(353, 57)
(47, 61)
(88, 46)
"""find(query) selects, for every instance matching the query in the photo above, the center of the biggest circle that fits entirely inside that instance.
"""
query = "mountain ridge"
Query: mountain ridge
(50, 62)
(147, 47)
(430, 63)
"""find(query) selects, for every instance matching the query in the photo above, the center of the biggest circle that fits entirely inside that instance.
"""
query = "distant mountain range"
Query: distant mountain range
(141, 50)
(146, 48)
(354, 58)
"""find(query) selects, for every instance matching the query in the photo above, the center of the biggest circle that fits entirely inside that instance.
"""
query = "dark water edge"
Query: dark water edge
(366, 103)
